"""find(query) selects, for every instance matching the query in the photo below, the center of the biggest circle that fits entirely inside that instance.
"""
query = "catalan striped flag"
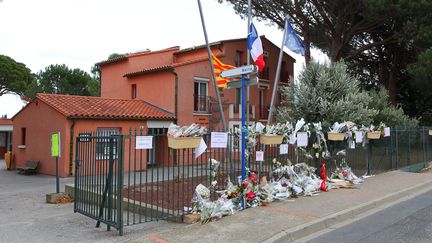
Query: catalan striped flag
(218, 68)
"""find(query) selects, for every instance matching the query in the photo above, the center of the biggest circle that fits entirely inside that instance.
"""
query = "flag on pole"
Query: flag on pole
(255, 47)
(218, 67)
(292, 41)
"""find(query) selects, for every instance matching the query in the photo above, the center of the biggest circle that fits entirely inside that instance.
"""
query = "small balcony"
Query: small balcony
(201, 104)
(234, 111)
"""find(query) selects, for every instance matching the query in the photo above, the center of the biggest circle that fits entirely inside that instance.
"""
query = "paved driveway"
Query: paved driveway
(25, 217)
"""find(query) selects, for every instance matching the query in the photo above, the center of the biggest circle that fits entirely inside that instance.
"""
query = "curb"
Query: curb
(301, 231)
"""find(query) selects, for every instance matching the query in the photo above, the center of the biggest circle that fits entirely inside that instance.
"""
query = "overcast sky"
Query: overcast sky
(80, 33)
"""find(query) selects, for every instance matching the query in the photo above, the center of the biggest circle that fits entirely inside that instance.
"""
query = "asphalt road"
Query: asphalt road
(408, 221)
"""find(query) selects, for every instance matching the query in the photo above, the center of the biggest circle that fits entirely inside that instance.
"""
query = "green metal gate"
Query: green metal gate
(99, 179)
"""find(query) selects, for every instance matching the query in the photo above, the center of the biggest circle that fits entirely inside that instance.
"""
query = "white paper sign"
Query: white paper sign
(386, 131)
(259, 155)
(144, 142)
(351, 145)
(359, 137)
(219, 140)
(283, 149)
(302, 139)
(201, 149)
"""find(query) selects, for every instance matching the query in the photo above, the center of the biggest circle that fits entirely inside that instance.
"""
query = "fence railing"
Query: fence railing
(159, 182)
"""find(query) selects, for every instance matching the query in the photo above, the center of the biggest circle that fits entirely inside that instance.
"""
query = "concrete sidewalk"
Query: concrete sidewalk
(25, 217)
(289, 221)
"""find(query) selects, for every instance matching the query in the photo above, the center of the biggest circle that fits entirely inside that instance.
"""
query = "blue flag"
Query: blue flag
(292, 41)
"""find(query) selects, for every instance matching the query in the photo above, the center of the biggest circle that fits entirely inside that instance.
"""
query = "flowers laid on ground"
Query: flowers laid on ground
(344, 172)
(193, 130)
(285, 180)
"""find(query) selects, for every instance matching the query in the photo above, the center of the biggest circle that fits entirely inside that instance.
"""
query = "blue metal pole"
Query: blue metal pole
(243, 130)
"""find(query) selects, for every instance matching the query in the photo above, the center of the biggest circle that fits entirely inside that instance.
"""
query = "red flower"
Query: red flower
(345, 173)
(253, 178)
(250, 195)
(245, 184)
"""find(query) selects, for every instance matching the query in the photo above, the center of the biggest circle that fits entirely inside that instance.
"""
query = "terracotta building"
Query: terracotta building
(70, 115)
(179, 81)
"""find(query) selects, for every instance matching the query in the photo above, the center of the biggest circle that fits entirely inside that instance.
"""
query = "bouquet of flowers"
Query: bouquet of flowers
(210, 210)
(213, 167)
(283, 129)
(306, 179)
(193, 130)
(344, 172)
(342, 127)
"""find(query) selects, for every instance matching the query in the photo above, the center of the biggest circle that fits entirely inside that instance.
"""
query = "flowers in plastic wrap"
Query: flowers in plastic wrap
(250, 134)
(214, 166)
(283, 129)
(306, 179)
(210, 210)
(342, 127)
(249, 189)
(344, 172)
(193, 130)
(299, 125)
(319, 147)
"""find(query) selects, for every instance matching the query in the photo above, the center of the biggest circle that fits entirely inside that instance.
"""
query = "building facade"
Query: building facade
(70, 116)
(179, 81)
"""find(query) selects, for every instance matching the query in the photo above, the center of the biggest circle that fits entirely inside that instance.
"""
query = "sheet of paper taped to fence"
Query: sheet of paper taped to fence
(201, 148)
(283, 149)
(386, 131)
(359, 137)
(144, 142)
(219, 140)
(302, 139)
(259, 155)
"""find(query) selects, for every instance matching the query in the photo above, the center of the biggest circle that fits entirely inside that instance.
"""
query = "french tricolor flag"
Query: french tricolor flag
(255, 47)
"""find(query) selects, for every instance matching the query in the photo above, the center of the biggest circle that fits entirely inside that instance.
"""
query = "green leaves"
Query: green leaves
(59, 79)
(328, 93)
(14, 76)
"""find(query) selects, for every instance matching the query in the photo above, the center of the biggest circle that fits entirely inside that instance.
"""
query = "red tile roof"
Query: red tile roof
(90, 107)
(4, 121)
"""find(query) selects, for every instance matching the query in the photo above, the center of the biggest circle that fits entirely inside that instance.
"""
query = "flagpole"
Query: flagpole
(211, 68)
(248, 63)
(276, 81)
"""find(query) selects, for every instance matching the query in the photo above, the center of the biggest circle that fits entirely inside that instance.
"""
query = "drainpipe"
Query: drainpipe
(71, 142)
(175, 94)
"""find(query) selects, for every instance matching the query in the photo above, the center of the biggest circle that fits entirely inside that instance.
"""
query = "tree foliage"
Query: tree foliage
(378, 40)
(328, 93)
(14, 76)
(59, 79)
(390, 115)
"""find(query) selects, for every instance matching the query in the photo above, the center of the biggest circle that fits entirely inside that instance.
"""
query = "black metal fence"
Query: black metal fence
(120, 183)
